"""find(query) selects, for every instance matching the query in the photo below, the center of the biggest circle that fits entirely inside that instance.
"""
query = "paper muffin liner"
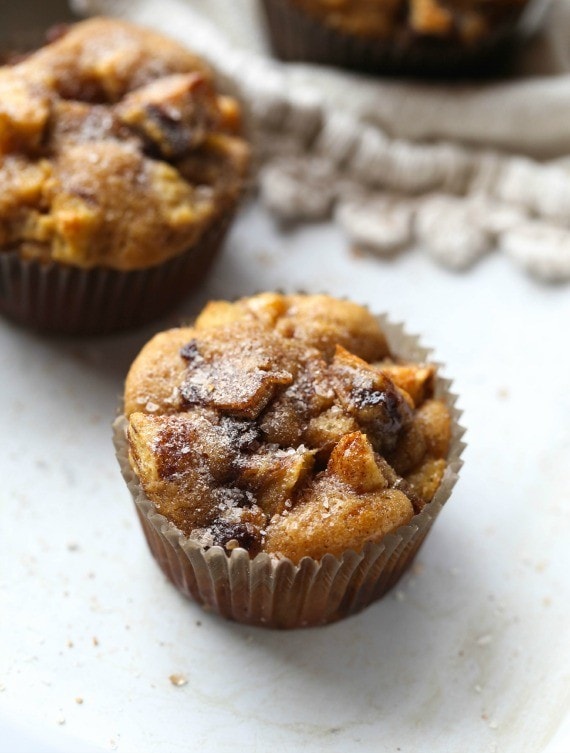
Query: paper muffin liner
(63, 299)
(297, 36)
(274, 592)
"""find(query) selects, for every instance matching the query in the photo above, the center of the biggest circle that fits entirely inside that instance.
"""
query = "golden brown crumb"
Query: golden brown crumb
(425, 480)
(346, 506)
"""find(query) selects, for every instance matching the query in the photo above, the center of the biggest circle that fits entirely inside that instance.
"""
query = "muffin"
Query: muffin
(121, 168)
(446, 38)
(285, 462)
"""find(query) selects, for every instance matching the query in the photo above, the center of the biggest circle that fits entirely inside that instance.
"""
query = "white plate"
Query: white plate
(469, 654)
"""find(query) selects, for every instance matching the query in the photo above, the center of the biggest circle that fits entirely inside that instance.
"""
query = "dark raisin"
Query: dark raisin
(234, 497)
(190, 352)
(177, 137)
(191, 394)
(368, 397)
(395, 407)
(247, 535)
(244, 436)
(382, 412)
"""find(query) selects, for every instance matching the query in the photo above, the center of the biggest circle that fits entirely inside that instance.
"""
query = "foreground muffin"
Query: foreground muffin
(279, 436)
(121, 167)
(420, 37)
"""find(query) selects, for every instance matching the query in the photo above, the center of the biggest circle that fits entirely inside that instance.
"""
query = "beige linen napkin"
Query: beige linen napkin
(456, 170)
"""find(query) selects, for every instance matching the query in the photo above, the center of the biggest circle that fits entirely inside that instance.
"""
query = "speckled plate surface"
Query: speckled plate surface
(469, 653)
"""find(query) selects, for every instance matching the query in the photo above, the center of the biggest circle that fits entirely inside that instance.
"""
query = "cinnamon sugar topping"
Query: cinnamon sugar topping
(289, 436)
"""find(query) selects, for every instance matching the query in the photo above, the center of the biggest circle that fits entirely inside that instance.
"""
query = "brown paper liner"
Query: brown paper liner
(297, 36)
(276, 593)
(63, 299)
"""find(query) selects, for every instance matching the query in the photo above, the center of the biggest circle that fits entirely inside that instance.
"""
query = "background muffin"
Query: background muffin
(279, 432)
(121, 167)
(420, 37)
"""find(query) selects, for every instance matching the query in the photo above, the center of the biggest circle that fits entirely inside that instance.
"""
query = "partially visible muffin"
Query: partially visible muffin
(465, 20)
(420, 37)
(117, 153)
(284, 424)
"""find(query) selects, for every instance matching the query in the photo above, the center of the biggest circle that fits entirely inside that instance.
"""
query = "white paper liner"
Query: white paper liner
(271, 592)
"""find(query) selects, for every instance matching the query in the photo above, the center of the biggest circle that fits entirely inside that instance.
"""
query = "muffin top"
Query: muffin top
(465, 20)
(115, 149)
(284, 424)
